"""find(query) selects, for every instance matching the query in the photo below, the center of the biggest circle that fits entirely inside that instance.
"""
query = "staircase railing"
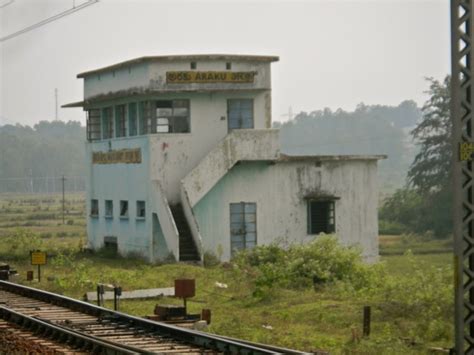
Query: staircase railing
(192, 223)
(165, 218)
(239, 145)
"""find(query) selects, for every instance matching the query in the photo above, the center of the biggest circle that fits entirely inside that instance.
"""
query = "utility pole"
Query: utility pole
(63, 179)
(56, 103)
(462, 116)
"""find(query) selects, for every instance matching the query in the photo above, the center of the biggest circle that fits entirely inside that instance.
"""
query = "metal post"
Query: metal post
(463, 173)
(63, 179)
(39, 273)
(98, 295)
(117, 294)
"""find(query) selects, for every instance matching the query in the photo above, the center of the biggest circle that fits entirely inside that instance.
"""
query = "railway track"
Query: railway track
(32, 319)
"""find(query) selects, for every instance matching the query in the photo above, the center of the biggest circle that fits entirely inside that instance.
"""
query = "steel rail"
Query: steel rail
(193, 337)
(72, 338)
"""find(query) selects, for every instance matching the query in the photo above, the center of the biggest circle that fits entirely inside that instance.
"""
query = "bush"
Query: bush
(210, 259)
(322, 261)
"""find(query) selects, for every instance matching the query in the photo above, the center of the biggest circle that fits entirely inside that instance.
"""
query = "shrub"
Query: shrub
(210, 259)
(322, 261)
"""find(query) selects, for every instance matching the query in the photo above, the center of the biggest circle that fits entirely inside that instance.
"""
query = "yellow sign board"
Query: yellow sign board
(38, 257)
(127, 156)
(465, 151)
(202, 77)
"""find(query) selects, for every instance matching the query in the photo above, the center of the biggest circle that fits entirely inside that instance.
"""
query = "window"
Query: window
(141, 211)
(107, 123)
(109, 209)
(120, 121)
(110, 244)
(172, 116)
(123, 209)
(94, 208)
(93, 125)
(144, 117)
(321, 217)
(243, 226)
(240, 113)
(228, 65)
(193, 65)
(132, 119)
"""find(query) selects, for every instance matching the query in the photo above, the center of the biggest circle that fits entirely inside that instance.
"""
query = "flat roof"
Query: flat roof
(183, 57)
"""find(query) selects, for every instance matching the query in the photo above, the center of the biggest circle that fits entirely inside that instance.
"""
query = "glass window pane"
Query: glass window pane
(180, 111)
(236, 218)
(164, 103)
(251, 237)
(164, 112)
(250, 207)
(180, 103)
(250, 227)
(236, 208)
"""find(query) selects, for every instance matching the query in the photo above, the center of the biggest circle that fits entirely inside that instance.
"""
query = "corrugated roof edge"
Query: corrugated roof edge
(242, 57)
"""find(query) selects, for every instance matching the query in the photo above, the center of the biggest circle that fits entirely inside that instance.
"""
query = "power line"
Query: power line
(48, 20)
(7, 3)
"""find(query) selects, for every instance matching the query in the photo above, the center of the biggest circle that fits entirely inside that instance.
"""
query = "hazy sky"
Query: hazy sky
(332, 53)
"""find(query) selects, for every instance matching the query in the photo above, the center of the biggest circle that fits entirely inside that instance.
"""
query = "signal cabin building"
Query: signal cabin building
(182, 160)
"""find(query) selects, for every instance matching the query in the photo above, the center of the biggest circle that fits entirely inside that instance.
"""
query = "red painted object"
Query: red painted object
(185, 288)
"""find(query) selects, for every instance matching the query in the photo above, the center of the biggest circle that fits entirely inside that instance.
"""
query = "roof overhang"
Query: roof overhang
(136, 92)
(73, 104)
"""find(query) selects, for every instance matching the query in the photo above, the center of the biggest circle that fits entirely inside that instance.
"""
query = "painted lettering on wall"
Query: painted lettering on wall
(127, 156)
(180, 77)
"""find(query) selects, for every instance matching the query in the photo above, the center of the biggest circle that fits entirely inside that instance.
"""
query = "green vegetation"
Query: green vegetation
(424, 205)
(416, 244)
(308, 297)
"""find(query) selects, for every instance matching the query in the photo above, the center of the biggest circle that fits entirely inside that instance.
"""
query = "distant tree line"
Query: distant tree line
(369, 129)
(45, 150)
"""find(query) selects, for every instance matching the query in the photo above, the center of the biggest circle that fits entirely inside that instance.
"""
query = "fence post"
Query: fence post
(366, 321)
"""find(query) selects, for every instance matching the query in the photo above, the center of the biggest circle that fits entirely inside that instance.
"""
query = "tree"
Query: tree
(425, 204)
(431, 169)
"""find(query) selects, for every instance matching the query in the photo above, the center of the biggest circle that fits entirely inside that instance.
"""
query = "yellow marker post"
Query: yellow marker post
(38, 258)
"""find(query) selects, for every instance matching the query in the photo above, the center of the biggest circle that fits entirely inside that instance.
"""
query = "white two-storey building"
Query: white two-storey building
(182, 160)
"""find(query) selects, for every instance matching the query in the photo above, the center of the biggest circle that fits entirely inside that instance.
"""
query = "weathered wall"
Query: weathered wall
(136, 76)
(239, 145)
(151, 76)
(175, 155)
(129, 182)
(279, 190)
(119, 182)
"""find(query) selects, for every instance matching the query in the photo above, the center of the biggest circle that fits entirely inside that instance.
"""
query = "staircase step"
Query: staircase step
(187, 247)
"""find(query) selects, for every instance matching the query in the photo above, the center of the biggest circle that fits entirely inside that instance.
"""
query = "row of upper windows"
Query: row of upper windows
(159, 116)
(138, 118)
(124, 209)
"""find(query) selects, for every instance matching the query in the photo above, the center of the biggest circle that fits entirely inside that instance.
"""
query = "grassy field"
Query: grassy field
(410, 297)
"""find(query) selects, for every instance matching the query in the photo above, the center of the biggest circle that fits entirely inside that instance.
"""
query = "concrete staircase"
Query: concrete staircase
(238, 145)
(187, 248)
